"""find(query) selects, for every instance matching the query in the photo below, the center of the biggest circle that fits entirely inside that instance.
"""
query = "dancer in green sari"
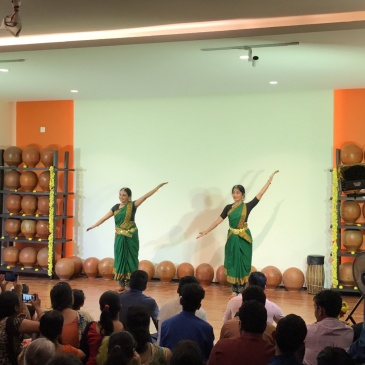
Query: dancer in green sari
(126, 242)
(238, 249)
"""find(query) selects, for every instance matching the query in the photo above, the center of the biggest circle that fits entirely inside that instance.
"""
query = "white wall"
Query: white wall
(202, 147)
(7, 124)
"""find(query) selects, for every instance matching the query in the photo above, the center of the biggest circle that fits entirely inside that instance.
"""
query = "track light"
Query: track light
(255, 61)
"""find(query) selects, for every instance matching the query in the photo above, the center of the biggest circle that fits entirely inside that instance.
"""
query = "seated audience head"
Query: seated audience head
(110, 306)
(50, 325)
(61, 296)
(257, 278)
(79, 299)
(290, 333)
(253, 317)
(39, 352)
(121, 348)
(334, 356)
(187, 352)
(138, 325)
(327, 303)
(186, 280)
(9, 304)
(254, 292)
(138, 280)
(64, 359)
(191, 297)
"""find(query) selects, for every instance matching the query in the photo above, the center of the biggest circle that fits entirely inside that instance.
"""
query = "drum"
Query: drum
(315, 274)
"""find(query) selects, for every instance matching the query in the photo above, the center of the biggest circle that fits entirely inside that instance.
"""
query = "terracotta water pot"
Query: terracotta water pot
(31, 156)
(13, 203)
(185, 269)
(64, 269)
(42, 258)
(350, 211)
(204, 273)
(91, 267)
(43, 180)
(28, 180)
(13, 156)
(47, 156)
(221, 276)
(28, 257)
(29, 204)
(42, 229)
(253, 269)
(43, 205)
(273, 277)
(351, 154)
(351, 239)
(12, 180)
(346, 276)
(78, 265)
(11, 256)
(28, 228)
(165, 271)
(106, 267)
(148, 267)
(12, 227)
(293, 279)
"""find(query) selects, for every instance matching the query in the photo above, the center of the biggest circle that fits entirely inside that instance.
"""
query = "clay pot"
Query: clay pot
(28, 180)
(185, 269)
(351, 154)
(78, 266)
(13, 203)
(47, 156)
(11, 256)
(350, 211)
(29, 204)
(91, 267)
(253, 269)
(30, 156)
(42, 258)
(43, 180)
(293, 279)
(12, 227)
(346, 276)
(28, 228)
(43, 205)
(204, 273)
(106, 268)
(221, 276)
(13, 156)
(351, 239)
(28, 257)
(64, 269)
(12, 180)
(165, 271)
(273, 277)
(148, 267)
(42, 229)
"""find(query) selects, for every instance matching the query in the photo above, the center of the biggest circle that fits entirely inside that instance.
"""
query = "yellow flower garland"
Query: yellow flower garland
(51, 220)
(334, 227)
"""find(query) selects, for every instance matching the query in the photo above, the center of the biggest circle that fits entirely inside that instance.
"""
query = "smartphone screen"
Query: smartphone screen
(10, 276)
(27, 298)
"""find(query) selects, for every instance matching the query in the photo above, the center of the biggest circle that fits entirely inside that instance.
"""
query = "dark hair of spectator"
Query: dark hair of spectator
(334, 356)
(187, 352)
(253, 317)
(191, 297)
(79, 299)
(64, 359)
(186, 280)
(50, 325)
(254, 292)
(9, 304)
(121, 348)
(61, 296)
(138, 280)
(110, 307)
(257, 278)
(330, 301)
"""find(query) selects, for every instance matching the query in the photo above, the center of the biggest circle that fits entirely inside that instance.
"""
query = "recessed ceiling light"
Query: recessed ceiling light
(273, 82)
(244, 57)
(4, 70)
(74, 91)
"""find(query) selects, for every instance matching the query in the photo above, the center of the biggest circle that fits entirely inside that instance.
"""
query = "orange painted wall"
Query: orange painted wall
(58, 119)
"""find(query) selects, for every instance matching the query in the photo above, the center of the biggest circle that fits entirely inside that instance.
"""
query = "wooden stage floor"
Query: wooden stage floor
(216, 298)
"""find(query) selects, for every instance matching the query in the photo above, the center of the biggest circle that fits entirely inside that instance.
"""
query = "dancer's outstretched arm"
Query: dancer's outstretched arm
(139, 201)
(266, 186)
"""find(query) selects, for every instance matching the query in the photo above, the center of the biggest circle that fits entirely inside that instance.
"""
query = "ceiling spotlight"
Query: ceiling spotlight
(273, 82)
(4, 70)
(255, 61)
(74, 91)
(244, 57)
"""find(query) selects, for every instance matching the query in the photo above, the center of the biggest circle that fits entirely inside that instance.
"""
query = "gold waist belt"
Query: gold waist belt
(125, 232)
(238, 230)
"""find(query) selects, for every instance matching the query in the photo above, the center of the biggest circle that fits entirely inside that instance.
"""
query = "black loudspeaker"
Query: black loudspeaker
(352, 177)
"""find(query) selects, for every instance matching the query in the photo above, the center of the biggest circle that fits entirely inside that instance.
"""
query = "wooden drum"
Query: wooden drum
(315, 274)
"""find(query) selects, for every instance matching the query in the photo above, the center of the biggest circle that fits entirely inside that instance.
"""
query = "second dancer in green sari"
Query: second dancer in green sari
(238, 249)
(126, 242)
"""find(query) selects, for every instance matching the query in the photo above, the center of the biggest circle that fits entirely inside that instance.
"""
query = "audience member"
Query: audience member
(39, 352)
(357, 348)
(78, 302)
(231, 328)
(274, 313)
(174, 307)
(121, 350)
(250, 348)
(289, 335)
(134, 296)
(64, 360)
(334, 356)
(187, 352)
(328, 330)
(186, 325)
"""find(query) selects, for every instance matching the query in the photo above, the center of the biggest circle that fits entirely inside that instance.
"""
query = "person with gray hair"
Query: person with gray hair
(39, 352)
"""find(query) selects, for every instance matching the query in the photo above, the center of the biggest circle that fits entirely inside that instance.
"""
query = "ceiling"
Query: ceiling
(156, 48)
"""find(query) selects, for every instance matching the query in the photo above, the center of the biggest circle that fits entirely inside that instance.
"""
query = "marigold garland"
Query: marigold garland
(334, 227)
(51, 220)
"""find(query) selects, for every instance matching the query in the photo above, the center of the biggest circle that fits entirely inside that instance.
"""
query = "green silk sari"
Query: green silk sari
(126, 243)
(238, 250)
